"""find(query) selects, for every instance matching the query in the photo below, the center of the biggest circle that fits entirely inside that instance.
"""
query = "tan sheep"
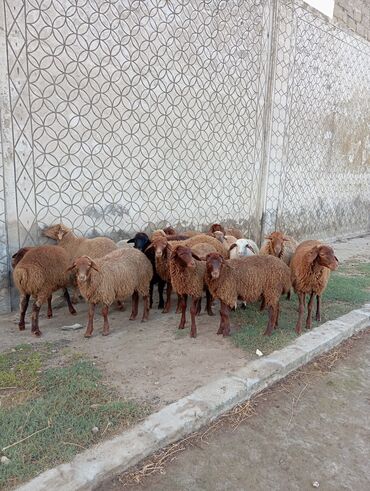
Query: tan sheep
(187, 278)
(38, 272)
(117, 275)
(310, 267)
(249, 279)
(79, 246)
(279, 245)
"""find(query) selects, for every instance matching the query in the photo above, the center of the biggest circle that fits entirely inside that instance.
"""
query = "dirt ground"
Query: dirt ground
(311, 429)
(153, 362)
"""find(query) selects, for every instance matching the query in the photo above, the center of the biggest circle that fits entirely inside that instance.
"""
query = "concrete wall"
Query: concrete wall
(354, 15)
(123, 116)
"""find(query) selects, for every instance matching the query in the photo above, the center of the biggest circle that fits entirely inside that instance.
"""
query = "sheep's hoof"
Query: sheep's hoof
(226, 333)
(88, 335)
(161, 305)
(144, 320)
(50, 316)
(22, 327)
(318, 318)
(73, 312)
(193, 335)
(165, 311)
(132, 317)
(220, 331)
(210, 312)
(298, 330)
(37, 333)
(105, 333)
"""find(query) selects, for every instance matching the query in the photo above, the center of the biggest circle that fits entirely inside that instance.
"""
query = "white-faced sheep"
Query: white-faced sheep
(38, 272)
(117, 275)
(187, 277)
(243, 247)
(79, 246)
(310, 266)
(248, 279)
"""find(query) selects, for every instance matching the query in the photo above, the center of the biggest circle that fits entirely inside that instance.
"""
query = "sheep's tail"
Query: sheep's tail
(21, 277)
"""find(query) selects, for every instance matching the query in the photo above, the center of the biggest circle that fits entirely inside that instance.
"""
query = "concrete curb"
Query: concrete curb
(189, 414)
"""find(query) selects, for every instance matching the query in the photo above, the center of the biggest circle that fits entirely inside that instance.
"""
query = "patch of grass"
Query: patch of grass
(348, 288)
(60, 408)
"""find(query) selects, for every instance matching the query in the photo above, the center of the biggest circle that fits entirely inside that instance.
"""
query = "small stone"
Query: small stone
(259, 353)
(73, 327)
(13, 350)
(316, 484)
(95, 429)
(4, 460)
(54, 351)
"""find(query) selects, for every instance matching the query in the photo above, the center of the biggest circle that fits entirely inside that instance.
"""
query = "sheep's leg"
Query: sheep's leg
(151, 287)
(263, 303)
(23, 305)
(271, 321)
(35, 318)
(225, 320)
(309, 312)
(120, 305)
(301, 298)
(135, 306)
(146, 309)
(199, 306)
(167, 307)
(161, 284)
(184, 300)
(318, 312)
(104, 312)
(209, 302)
(276, 320)
(288, 295)
(71, 309)
(90, 321)
(193, 312)
(75, 294)
(178, 306)
(50, 310)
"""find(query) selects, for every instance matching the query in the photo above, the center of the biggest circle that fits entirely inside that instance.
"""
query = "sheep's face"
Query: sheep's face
(56, 232)
(326, 257)
(140, 241)
(169, 231)
(277, 240)
(184, 256)
(160, 246)
(83, 266)
(214, 262)
(219, 236)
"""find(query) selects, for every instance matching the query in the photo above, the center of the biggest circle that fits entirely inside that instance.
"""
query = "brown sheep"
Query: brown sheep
(79, 246)
(216, 227)
(162, 245)
(187, 277)
(310, 268)
(247, 279)
(279, 245)
(113, 277)
(38, 272)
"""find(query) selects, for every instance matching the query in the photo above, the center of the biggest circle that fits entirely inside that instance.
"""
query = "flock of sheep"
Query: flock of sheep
(219, 262)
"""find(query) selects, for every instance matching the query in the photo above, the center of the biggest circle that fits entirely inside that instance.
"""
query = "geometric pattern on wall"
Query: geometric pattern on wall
(319, 180)
(145, 112)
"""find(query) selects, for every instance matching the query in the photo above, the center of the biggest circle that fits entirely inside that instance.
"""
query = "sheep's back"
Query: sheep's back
(304, 279)
(95, 248)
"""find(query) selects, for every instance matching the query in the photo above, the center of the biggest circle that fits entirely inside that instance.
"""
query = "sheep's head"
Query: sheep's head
(19, 255)
(219, 236)
(184, 256)
(324, 256)
(216, 227)
(243, 248)
(214, 263)
(277, 240)
(82, 266)
(169, 231)
(141, 241)
(56, 232)
(159, 244)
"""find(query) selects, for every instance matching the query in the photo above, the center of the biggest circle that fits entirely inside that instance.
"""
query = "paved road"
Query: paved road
(325, 437)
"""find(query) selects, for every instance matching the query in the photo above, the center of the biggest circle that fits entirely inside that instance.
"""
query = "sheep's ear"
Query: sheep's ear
(248, 246)
(94, 266)
(195, 256)
(131, 241)
(71, 267)
(335, 257)
(61, 233)
(312, 254)
(232, 247)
